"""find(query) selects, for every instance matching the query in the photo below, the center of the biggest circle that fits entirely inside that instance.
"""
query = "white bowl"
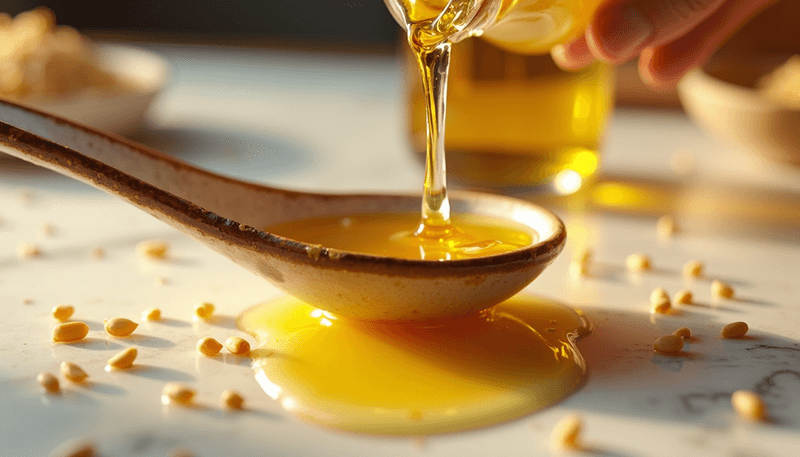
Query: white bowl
(723, 100)
(145, 73)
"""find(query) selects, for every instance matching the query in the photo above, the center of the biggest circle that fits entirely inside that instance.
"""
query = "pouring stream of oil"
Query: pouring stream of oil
(422, 377)
(428, 40)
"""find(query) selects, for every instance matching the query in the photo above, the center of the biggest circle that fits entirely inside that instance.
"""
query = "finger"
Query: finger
(664, 65)
(620, 29)
(573, 55)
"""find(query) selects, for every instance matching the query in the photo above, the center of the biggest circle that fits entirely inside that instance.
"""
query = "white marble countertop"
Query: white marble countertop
(327, 122)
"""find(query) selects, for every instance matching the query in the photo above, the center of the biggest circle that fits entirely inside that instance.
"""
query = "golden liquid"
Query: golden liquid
(393, 235)
(414, 379)
(518, 121)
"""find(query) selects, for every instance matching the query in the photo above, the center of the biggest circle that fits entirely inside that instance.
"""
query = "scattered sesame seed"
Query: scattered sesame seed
(27, 251)
(721, 289)
(734, 330)
(638, 262)
(749, 405)
(48, 382)
(567, 433)
(152, 249)
(668, 344)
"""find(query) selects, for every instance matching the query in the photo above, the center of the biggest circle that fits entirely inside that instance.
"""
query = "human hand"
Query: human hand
(670, 37)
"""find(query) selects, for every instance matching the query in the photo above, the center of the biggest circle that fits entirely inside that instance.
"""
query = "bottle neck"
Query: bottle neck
(482, 14)
(458, 20)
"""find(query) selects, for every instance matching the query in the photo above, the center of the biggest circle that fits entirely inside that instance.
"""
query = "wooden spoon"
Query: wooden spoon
(226, 214)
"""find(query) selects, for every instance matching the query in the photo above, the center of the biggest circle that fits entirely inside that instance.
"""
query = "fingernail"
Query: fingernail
(559, 54)
(646, 72)
(568, 60)
(624, 31)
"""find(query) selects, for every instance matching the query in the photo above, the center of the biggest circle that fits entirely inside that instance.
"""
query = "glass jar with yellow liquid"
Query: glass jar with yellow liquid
(515, 120)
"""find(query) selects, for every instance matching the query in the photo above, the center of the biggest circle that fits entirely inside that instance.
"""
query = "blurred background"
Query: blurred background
(282, 91)
(342, 26)
(314, 22)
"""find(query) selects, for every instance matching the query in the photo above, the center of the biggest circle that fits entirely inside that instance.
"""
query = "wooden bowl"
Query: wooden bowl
(143, 73)
(723, 100)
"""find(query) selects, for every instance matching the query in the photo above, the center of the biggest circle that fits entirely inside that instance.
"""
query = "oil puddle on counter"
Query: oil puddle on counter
(421, 378)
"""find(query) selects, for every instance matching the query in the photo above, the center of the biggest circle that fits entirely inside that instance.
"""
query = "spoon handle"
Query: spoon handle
(87, 154)
(111, 164)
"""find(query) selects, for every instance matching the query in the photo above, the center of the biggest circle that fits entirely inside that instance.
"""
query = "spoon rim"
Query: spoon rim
(542, 250)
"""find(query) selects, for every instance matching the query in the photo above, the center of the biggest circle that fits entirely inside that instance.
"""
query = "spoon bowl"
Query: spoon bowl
(227, 215)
